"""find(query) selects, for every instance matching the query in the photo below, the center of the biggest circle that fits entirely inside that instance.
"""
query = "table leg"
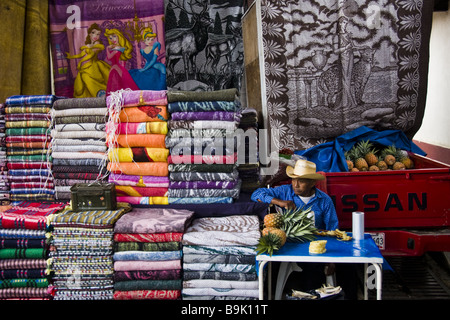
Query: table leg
(379, 274)
(261, 279)
(366, 294)
(269, 280)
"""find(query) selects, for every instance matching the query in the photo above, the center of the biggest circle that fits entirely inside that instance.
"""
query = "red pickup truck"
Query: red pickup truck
(406, 211)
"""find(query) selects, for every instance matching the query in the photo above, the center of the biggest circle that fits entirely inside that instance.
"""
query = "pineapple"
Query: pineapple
(389, 155)
(382, 165)
(274, 220)
(367, 150)
(348, 157)
(374, 168)
(398, 166)
(361, 164)
(279, 233)
(405, 159)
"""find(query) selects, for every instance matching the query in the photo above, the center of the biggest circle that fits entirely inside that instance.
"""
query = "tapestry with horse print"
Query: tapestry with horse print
(204, 44)
(332, 66)
(103, 46)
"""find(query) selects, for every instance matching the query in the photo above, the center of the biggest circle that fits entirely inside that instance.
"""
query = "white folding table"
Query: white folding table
(354, 251)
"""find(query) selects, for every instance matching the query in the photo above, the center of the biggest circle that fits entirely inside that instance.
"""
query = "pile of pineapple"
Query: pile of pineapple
(294, 225)
(365, 156)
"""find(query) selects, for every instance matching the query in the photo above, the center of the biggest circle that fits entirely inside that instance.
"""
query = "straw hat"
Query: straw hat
(304, 169)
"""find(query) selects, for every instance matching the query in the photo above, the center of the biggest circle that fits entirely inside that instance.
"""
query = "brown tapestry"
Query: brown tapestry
(332, 66)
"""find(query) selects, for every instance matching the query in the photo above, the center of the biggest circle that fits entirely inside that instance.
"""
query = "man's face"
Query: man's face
(303, 187)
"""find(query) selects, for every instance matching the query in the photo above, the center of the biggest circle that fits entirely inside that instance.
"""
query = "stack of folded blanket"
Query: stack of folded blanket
(147, 260)
(219, 258)
(203, 148)
(137, 128)
(27, 142)
(4, 185)
(78, 143)
(81, 253)
(248, 166)
(24, 250)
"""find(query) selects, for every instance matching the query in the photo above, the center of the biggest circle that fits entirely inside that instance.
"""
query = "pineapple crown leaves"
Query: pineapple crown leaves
(298, 226)
(268, 243)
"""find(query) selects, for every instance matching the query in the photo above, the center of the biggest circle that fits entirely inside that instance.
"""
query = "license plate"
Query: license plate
(379, 239)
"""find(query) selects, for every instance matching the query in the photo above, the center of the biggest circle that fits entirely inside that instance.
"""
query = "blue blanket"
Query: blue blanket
(329, 156)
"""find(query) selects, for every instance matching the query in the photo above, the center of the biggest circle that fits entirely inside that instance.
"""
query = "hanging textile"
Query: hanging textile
(204, 44)
(333, 66)
(98, 47)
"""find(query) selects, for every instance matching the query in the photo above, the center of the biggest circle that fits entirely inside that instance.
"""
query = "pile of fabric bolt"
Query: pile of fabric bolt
(148, 255)
(248, 164)
(24, 250)
(78, 145)
(137, 128)
(27, 145)
(4, 185)
(219, 258)
(203, 148)
(81, 253)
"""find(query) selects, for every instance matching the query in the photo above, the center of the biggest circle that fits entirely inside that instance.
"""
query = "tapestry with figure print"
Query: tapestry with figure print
(334, 65)
(103, 46)
(204, 44)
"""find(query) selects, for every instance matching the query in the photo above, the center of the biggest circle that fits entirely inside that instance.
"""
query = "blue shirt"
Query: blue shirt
(322, 205)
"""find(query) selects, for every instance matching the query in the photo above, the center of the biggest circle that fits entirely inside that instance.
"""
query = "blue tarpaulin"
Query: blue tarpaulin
(329, 156)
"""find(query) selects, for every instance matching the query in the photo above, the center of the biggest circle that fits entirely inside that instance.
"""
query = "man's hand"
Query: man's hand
(287, 204)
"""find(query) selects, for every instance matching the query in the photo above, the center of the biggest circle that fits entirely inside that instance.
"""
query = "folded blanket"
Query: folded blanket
(220, 284)
(23, 264)
(80, 127)
(81, 119)
(216, 142)
(252, 293)
(28, 123)
(159, 169)
(221, 267)
(138, 154)
(147, 255)
(144, 200)
(78, 112)
(78, 142)
(78, 134)
(167, 274)
(136, 180)
(24, 283)
(200, 133)
(30, 99)
(147, 265)
(148, 285)
(200, 200)
(22, 243)
(159, 127)
(144, 113)
(147, 294)
(28, 215)
(138, 140)
(237, 230)
(147, 246)
(231, 94)
(226, 168)
(217, 275)
(203, 184)
(123, 191)
(14, 253)
(218, 258)
(148, 237)
(78, 148)
(204, 176)
(151, 220)
(137, 98)
(27, 116)
(79, 155)
(206, 115)
(78, 103)
(89, 217)
(28, 108)
(24, 293)
(199, 159)
(202, 124)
